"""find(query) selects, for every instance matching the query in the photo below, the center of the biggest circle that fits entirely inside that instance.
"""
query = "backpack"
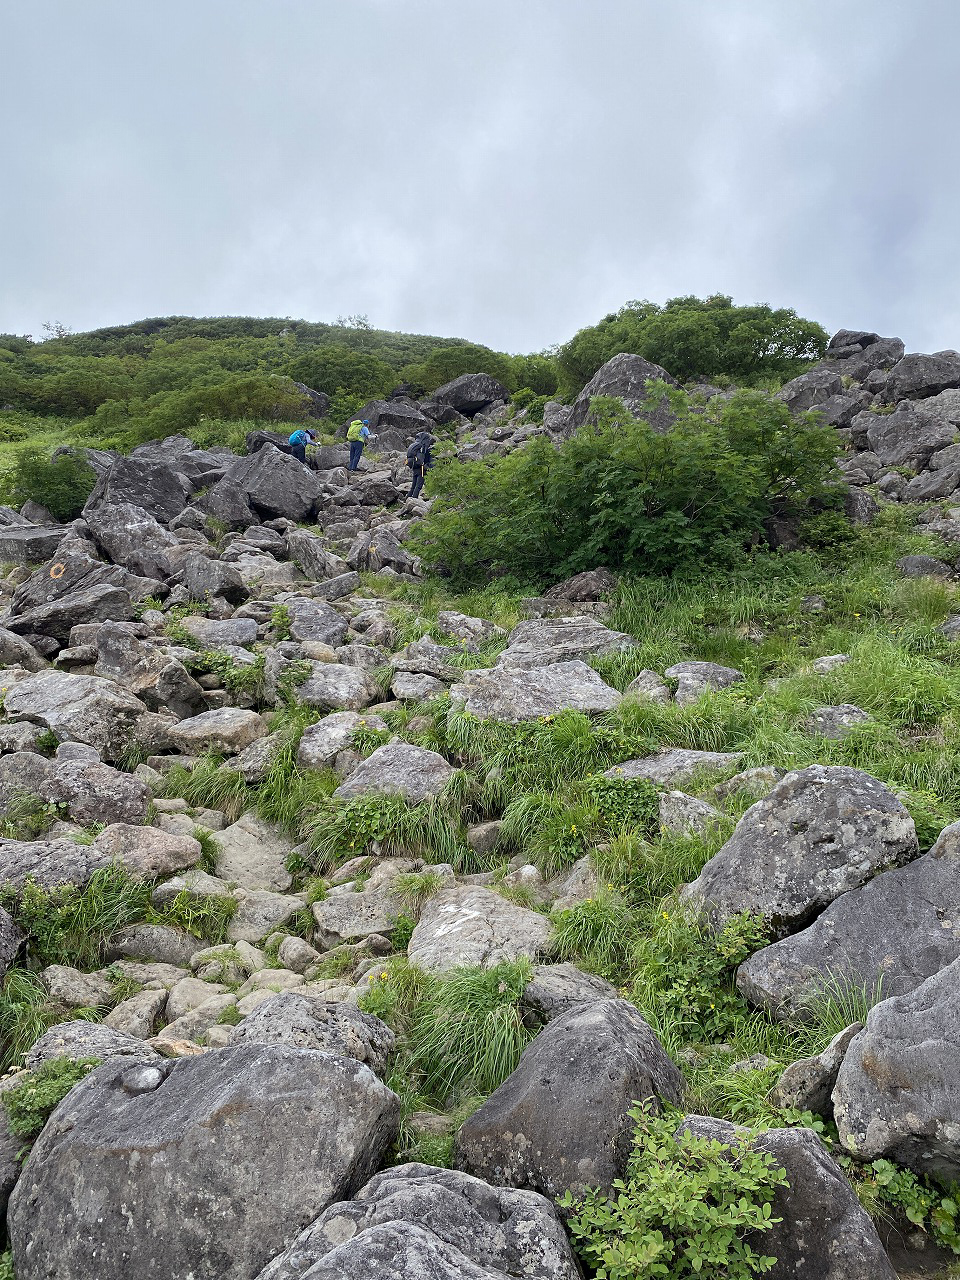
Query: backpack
(417, 453)
(355, 431)
(299, 437)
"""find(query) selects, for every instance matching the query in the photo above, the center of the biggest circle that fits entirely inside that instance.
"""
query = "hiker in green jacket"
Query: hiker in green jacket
(358, 433)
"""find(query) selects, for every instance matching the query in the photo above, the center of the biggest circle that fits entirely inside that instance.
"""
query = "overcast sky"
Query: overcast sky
(502, 170)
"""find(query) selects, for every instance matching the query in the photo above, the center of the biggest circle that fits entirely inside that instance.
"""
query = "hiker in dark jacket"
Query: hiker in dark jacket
(419, 459)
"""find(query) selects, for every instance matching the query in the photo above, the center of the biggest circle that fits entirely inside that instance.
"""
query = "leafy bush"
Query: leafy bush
(337, 369)
(62, 484)
(697, 338)
(31, 1102)
(688, 1207)
(617, 493)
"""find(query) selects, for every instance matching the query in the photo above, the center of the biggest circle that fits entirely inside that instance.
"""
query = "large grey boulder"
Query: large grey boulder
(808, 1083)
(78, 709)
(917, 376)
(316, 620)
(251, 854)
(561, 1120)
(418, 1221)
(898, 1089)
(95, 792)
(146, 852)
(513, 694)
(555, 989)
(333, 686)
(469, 926)
(206, 1167)
(79, 1040)
(823, 1231)
(628, 378)
(29, 543)
(892, 934)
(310, 555)
(228, 729)
(132, 537)
(219, 633)
(471, 392)
(143, 669)
(906, 437)
(675, 766)
(204, 577)
(49, 863)
(810, 389)
(275, 484)
(155, 487)
(377, 549)
(819, 833)
(541, 642)
(398, 768)
(58, 618)
(310, 1023)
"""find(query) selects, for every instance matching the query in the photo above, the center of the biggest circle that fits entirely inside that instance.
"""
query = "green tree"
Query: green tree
(336, 369)
(697, 338)
(446, 363)
(61, 484)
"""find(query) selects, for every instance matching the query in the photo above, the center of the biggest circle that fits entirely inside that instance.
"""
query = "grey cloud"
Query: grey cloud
(507, 172)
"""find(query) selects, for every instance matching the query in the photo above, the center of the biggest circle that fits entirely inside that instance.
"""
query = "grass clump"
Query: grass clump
(25, 1014)
(688, 1207)
(69, 925)
(37, 1093)
(207, 918)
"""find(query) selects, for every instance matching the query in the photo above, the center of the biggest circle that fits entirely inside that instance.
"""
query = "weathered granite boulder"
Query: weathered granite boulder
(418, 1221)
(892, 934)
(540, 642)
(227, 729)
(917, 376)
(898, 1089)
(820, 832)
(263, 1137)
(322, 742)
(675, 765)
(513, 694)
(696, 678)
(131, 536)
(154, 486)
(471, 392)
(398, 768)
(310, 1023)
(628, 378)
(467, 925)
(78, 709)
(561, 1120)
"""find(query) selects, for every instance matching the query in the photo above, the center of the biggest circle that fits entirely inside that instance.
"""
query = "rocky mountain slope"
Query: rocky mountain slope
(292, 917)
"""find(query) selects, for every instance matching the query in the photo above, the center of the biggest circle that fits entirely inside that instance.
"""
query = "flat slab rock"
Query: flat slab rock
(541, 642)
(896, 931)
(469, 925)
(675, 765)
(419, 1221)
(398, 768)
(561, 1120)
(511, 695)
(48, 862)
(821, 832)
(206, 1166)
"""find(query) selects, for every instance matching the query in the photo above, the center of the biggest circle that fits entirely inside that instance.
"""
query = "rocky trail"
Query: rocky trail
(272, 793)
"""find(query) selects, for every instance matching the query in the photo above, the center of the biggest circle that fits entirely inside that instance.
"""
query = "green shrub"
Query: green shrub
(618, 493)
(31, 1102)
(6, 1266)
(688, 1207)
(62, 484)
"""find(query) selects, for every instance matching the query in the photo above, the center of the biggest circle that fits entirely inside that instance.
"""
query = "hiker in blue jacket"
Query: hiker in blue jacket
(419, 459)
(299, 440)
(358, 433)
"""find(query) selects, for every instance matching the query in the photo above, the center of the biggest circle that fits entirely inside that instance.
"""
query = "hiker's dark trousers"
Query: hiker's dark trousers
(419, 475)
(299, 451)
(356, 448)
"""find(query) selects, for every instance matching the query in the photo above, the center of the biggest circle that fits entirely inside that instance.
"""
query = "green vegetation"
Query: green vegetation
(689, 1206)
(61, 484)
(31, 1102)
(623, 495)
(695, 338)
